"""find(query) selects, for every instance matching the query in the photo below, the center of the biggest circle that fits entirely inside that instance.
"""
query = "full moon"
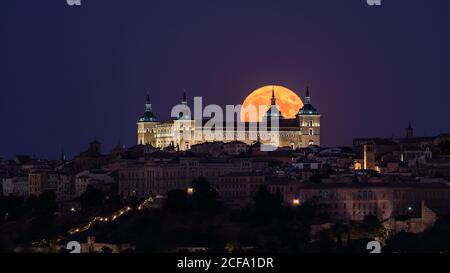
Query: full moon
(288, 102)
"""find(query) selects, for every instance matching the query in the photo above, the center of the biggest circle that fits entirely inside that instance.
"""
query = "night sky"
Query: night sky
(72, 74)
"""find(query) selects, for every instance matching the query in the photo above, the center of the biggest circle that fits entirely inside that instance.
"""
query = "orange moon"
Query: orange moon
(288, 102)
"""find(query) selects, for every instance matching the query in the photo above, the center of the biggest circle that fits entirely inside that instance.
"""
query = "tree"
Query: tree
(371, 223)
(339, 230)
(177, 201)
(316, 178)
(43, 226)
(106, 249)
(204, 196)
(11, 208)
(265, 200)
(91, 198)
(403, 242)
(444, 147)
(267, 205)
(3, 244)
(355, 178)
(339, 243)
(42, 204)
(306, 212)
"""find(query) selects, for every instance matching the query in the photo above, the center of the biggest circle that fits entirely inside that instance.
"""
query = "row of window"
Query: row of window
(237, 186)
(243, 179)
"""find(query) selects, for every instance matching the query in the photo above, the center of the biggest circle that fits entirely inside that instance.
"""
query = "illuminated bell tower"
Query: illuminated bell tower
(146, 125)
(309, 119)
(184, 127)
(273, 109)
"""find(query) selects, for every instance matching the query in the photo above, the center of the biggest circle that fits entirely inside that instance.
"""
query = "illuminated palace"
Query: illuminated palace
(301, 131)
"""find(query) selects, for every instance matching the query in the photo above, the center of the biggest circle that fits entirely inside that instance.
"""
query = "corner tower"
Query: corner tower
(309, 119)
(146, 125)
(273, 109)
(184, 127)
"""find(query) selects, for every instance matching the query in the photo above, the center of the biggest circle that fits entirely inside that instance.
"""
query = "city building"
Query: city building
(92, 158)
(65, 188)
(393, 154)
(99, 179)
(238, 189)
(37, 183)
(142, 178)
(16, 186)
(354, 201)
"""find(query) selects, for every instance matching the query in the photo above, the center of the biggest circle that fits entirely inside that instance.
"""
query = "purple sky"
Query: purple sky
(69, 74)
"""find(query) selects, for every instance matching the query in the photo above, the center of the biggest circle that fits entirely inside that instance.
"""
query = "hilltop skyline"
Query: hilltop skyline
(72, 74)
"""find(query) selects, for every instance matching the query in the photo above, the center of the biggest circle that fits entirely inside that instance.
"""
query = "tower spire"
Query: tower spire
(273, 99)
(148, 104)
(308, 96)
(63, 155)
(307, 108)
(184, 100)
(409, 130)
(185, 113)
(273, 110)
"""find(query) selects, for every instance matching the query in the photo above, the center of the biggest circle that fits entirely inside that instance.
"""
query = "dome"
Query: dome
(308, 109)
(148, 117)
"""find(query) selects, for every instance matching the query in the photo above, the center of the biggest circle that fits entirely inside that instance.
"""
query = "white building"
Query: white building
(96, 178)
(17, 186)
(64, 188)
(235, 147)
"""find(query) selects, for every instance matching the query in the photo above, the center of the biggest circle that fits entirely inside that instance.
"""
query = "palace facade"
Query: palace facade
(181, 133)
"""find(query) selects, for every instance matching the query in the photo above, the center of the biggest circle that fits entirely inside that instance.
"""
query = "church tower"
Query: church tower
(146, 125)
(184, 115)
(273, 110)
(184, 127)
(409, 131)
(309, 119)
